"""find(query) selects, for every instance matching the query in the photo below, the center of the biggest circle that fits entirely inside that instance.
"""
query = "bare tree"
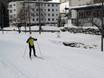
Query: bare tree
(100, 25)
(27, 12)
(23, 17)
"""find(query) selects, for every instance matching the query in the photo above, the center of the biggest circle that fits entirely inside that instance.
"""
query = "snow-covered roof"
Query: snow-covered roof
(83, 6)
(63, 6)
(54, 1)
(66, 5)
(36, 2)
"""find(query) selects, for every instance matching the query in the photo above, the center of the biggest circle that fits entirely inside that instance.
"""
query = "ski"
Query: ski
(37, 57)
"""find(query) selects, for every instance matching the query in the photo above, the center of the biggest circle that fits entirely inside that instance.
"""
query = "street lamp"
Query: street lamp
(29, 17)
(102, 26)
(67, 14)
(39, 9)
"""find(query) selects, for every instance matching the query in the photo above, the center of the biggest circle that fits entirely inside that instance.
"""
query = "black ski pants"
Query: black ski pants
(30, 51)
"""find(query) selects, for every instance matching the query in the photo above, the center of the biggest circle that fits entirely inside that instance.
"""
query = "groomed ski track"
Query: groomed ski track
(59, 61)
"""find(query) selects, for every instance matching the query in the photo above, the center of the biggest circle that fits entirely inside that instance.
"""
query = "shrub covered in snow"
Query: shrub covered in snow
(82, 30)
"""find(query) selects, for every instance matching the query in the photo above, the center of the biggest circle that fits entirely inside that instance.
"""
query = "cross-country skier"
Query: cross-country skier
(30, 41)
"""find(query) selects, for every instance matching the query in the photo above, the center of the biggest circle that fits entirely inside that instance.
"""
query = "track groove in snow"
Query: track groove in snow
(59, 61)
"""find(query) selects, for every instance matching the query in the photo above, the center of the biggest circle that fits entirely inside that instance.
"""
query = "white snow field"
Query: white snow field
(56, 60)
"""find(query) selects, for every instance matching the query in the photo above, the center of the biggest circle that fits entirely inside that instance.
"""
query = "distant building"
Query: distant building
(67, 4)
(63, 1)
(84, 12)
(98, 1)
(81, 2)
(33, 14)
(87, 15)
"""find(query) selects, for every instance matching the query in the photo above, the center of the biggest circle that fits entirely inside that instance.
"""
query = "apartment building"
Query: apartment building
(72, 3)
(88, 15)
(84, 12)
(33, 12)
(14, 9)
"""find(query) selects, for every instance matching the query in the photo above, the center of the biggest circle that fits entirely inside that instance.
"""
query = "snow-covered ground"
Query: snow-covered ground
(47, 27)
(57, 60)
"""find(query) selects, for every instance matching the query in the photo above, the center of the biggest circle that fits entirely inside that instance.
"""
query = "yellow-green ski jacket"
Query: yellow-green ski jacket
(30, 41)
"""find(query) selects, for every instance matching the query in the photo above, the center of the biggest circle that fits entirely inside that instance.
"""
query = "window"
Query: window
(52, 4)
(52, 19)
(48, 4)
(48, 19)
(10, 6)
(33, 9)
(48, 9)
(52, 9)
(56, 14)
(36, 9)
(37, 19)
(10, 11)
(52, 14)
(32, 14)
(13, 4)
(48, 14)
(33, 19)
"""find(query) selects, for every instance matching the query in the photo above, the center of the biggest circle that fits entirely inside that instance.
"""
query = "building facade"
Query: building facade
(62, 1)
(81, 2)
(33, 12)
(89, 15)
(98, 1)
(72, 3)
(77, 2)
(86, 12)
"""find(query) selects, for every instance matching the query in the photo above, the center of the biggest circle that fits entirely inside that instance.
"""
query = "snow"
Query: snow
(58, 61)
(47, 27)
(63, 6)
(66, 5)
(56, 0)
(83, 6)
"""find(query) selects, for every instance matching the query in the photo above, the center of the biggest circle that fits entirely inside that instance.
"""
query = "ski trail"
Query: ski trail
(11, 69)
(66, 66)
(59, 62)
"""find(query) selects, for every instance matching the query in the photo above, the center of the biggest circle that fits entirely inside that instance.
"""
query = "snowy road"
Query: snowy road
(59, 61)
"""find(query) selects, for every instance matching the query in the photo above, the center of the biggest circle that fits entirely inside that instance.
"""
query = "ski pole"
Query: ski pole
(39, 48)
(24, 51)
